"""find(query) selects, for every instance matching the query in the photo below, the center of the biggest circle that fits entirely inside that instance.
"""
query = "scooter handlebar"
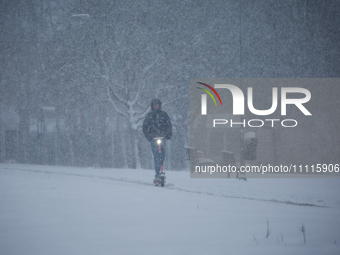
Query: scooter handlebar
(159, 140)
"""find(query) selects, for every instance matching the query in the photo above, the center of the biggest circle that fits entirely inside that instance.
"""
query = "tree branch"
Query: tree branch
(113, 103)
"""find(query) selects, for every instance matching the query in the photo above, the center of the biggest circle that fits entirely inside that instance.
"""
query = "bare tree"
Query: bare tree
(131, 75)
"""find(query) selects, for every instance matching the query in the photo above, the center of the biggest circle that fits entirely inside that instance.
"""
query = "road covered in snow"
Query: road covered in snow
(68, 210)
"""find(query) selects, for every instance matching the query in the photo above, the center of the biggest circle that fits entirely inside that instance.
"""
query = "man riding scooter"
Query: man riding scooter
(157, 125)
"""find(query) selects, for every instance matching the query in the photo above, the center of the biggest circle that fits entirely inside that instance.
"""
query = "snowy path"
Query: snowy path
(65, 210)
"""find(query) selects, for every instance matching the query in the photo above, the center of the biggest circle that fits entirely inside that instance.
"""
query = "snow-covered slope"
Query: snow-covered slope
(65, 210)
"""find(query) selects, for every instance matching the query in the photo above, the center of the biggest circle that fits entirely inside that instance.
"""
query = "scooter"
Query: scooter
(161, 176)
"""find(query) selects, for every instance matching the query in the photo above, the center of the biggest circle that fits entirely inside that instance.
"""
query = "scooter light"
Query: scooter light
(159, 141)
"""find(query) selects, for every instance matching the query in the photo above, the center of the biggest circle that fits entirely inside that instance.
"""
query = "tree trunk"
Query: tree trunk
(137, 159)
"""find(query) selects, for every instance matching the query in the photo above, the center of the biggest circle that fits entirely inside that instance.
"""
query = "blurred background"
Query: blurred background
(77, 76)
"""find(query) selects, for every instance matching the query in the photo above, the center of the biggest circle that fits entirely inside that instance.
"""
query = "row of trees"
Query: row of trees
(99, 70)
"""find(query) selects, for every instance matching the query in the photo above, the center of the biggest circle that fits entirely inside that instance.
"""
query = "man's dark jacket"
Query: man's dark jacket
(157, 123)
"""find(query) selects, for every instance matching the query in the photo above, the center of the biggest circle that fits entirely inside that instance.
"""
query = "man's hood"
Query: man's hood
(156, 101)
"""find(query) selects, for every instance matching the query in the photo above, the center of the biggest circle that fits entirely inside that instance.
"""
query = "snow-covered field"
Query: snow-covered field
(66, 210)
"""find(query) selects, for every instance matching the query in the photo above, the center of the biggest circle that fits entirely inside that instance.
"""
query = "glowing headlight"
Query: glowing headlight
(159, 141)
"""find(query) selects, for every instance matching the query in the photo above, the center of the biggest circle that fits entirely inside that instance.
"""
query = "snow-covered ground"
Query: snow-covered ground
(67, 210)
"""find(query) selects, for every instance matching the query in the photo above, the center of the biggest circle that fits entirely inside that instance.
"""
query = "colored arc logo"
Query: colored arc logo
(208, 86)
